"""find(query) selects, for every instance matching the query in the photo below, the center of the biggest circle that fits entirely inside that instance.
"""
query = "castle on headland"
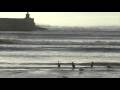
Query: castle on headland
(17, 24)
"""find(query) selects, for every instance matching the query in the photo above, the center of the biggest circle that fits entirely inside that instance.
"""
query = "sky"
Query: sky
(69, 18)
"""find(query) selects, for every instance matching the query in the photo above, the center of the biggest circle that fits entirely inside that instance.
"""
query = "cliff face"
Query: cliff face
(14, 24)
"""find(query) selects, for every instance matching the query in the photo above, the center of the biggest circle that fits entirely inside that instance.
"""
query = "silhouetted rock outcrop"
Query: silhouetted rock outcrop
(16, 24)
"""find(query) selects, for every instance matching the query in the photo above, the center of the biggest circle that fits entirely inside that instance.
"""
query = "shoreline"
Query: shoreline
(55, 65)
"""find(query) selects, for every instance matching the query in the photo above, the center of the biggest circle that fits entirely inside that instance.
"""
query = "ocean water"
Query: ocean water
(50, 56)
(44, 48)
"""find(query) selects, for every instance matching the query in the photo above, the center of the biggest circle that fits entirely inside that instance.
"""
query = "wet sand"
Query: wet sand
(60, 73)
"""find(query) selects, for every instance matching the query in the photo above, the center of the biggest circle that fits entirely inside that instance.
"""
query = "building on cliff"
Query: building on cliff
(17, 24)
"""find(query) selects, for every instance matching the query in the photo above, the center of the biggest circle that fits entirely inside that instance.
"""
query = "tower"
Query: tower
(27, 15)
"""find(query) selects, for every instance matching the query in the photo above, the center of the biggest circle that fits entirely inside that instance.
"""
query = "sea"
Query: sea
(29, 48)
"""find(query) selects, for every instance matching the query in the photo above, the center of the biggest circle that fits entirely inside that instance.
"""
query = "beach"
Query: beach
(55, 73)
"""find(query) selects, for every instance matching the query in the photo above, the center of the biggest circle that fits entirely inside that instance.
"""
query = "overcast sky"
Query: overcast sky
(70, 18)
